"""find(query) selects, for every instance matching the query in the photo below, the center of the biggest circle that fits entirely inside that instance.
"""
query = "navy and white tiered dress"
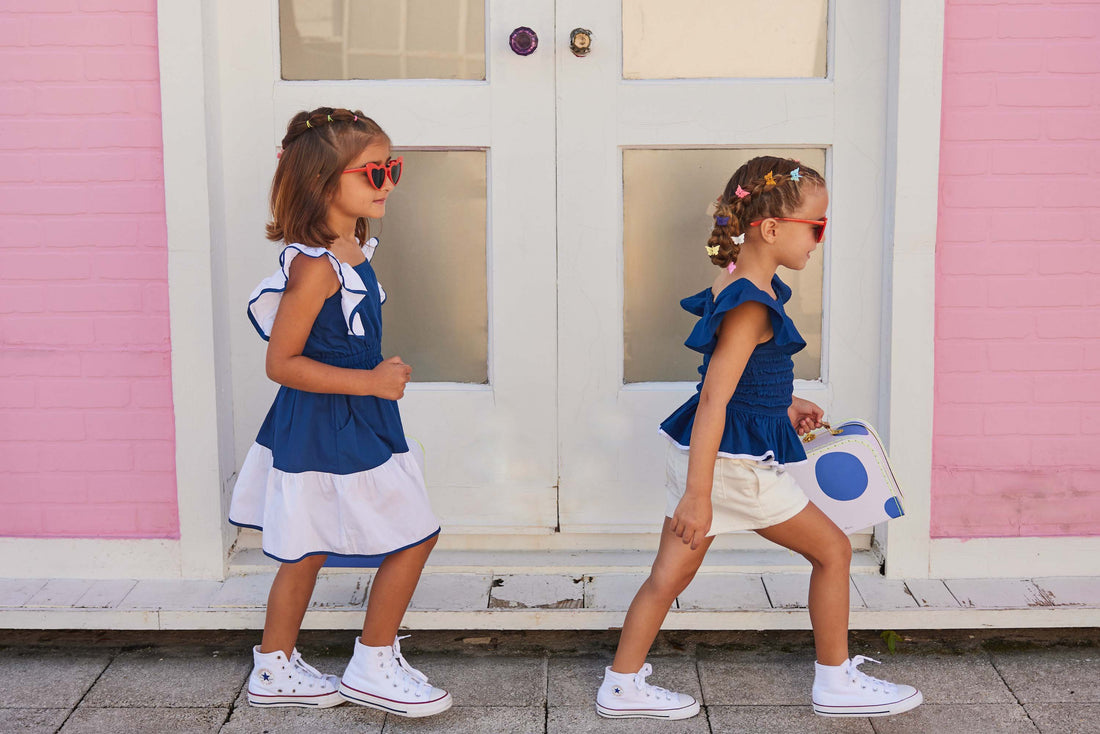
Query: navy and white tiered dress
(757, 425)
(332, 474)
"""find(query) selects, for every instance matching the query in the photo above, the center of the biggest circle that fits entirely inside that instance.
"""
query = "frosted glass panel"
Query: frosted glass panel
(382, 39)
(431, 262)
(692, 39)
(665, 227)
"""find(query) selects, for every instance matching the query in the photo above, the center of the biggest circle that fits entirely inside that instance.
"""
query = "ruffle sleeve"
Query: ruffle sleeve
(263, 304)
(704, 337)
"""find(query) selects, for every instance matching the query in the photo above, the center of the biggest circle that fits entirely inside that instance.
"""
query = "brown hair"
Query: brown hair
(318, 146)
(771, 193)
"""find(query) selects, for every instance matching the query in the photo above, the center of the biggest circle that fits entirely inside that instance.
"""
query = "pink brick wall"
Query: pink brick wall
(86, 424)
(1016, 447)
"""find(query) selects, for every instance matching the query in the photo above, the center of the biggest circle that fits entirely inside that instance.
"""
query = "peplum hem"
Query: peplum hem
(769, 439)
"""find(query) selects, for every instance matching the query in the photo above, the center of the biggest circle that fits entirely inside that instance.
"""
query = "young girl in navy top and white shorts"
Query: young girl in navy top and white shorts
(330, 473)
(730, 441)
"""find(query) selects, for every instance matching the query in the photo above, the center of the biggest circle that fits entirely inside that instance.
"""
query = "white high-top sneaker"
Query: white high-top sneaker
(628, 696)
(276, 681)
(381, 678)
(844, 690)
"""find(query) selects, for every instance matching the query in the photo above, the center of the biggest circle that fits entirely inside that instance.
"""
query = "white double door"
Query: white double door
(556, 440)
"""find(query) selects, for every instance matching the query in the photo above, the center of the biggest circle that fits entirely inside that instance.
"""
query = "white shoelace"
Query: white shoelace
(411, 677)
(648, 690)
(305, 668)
(866, 681)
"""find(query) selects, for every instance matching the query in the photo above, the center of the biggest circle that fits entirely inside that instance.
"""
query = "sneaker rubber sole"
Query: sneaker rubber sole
(401, 708)
(886, 709)
(684, 712)
(318, 701)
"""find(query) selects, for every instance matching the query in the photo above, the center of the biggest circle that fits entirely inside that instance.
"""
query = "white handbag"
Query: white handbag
(848, 476)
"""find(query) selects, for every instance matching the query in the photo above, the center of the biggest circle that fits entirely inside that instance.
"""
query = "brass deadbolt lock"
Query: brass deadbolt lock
(580, 41)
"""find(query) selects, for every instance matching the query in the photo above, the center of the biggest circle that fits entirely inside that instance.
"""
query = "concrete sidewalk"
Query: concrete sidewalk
(973, 681)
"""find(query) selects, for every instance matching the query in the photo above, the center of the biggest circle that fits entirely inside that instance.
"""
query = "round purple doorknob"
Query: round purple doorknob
(523, 41)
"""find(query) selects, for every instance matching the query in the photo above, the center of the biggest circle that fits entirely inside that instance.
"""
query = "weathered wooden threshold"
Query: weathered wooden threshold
(735, 590)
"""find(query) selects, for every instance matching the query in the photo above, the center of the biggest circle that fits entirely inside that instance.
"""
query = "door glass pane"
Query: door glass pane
(431, 263)
(692, 39)
(382, 39)
(665, 227)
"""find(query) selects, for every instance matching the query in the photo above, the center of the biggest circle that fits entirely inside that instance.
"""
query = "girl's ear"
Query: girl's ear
(769, 230)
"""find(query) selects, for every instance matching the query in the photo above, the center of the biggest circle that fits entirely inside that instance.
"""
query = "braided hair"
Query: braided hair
(761, 188)
(316, 149)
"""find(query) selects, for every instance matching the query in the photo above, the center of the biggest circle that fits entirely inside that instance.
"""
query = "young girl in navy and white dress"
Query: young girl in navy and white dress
(729, 443)
(330, 472)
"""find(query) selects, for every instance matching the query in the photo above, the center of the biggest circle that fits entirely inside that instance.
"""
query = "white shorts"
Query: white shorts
(746, 494)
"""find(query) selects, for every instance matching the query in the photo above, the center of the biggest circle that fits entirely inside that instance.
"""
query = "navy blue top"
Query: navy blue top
(336, 434)
(757, 424)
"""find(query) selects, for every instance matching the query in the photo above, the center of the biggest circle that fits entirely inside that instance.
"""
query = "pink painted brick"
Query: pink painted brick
(148, 166)
(960, 516)
(993, 56)
(43, 489)
(1045, 91)
(132, 265)
(14, 31)
(129, 424)
(93, 230)
(90, 168)
(143, 30)
(1083, 323)
(36, 65)
(132, 487)
(88, 456)
(132, 330)
(127, 132)
(152, 231)
(118, 6)
(956, 225)
(38, 265)
(999, 259)
(960, 420)
(38, 362)
(113, 521)
(15, 100)
(40, 6)
(1074, 57)
(961, 356)
(42, 331)
(159, 520)
(1050, 291)
(967, 323)
(1031, 159)
(136, 64)
(20, 520)
(1092, 356)
(1071, 191)
(126, 364)
(1026, 357)
(125, 197)
(97, 99)
(1090, 424)
(22, 298)
(147, 98)
(155, 298)
(155, 456)
(16, 394)
(970, 192)
(97, 298)
(1084, 387)
(41, 199)
(18, 167)
(1050, 21)
(1072, 125)
(153, 393)
(1041, 224)
(969, 22)
(984, 388)
(961, 292)
(987, 125)
(964, 159)
(80, 30)
(1032, 420)
(86, 393)
(21, 456)
(51, 425)
(1077, 258)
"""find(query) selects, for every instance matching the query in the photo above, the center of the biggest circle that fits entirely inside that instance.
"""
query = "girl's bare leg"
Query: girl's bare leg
(672, 571)
(287, 603)
(812, 534)
(391, 591)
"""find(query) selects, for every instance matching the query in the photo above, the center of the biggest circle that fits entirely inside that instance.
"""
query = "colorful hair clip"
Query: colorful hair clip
(731, 267)
(740, 193)
(355, 119)
(722, 221)
(308, 124)
(712, 251)
(330, 118)
(769, 180)
(796, 174)
(739, 239)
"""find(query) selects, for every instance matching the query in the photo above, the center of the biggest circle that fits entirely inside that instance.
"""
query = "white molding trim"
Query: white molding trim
(909, 341)
(180, 32)
(1014, 557)
(89, 558)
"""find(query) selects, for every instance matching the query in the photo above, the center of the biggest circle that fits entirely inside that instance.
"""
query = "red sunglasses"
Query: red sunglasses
(819, 224)
(376, 174)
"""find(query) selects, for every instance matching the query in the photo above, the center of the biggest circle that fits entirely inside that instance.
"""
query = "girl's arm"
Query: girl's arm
(311, 282)
(741, 330)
